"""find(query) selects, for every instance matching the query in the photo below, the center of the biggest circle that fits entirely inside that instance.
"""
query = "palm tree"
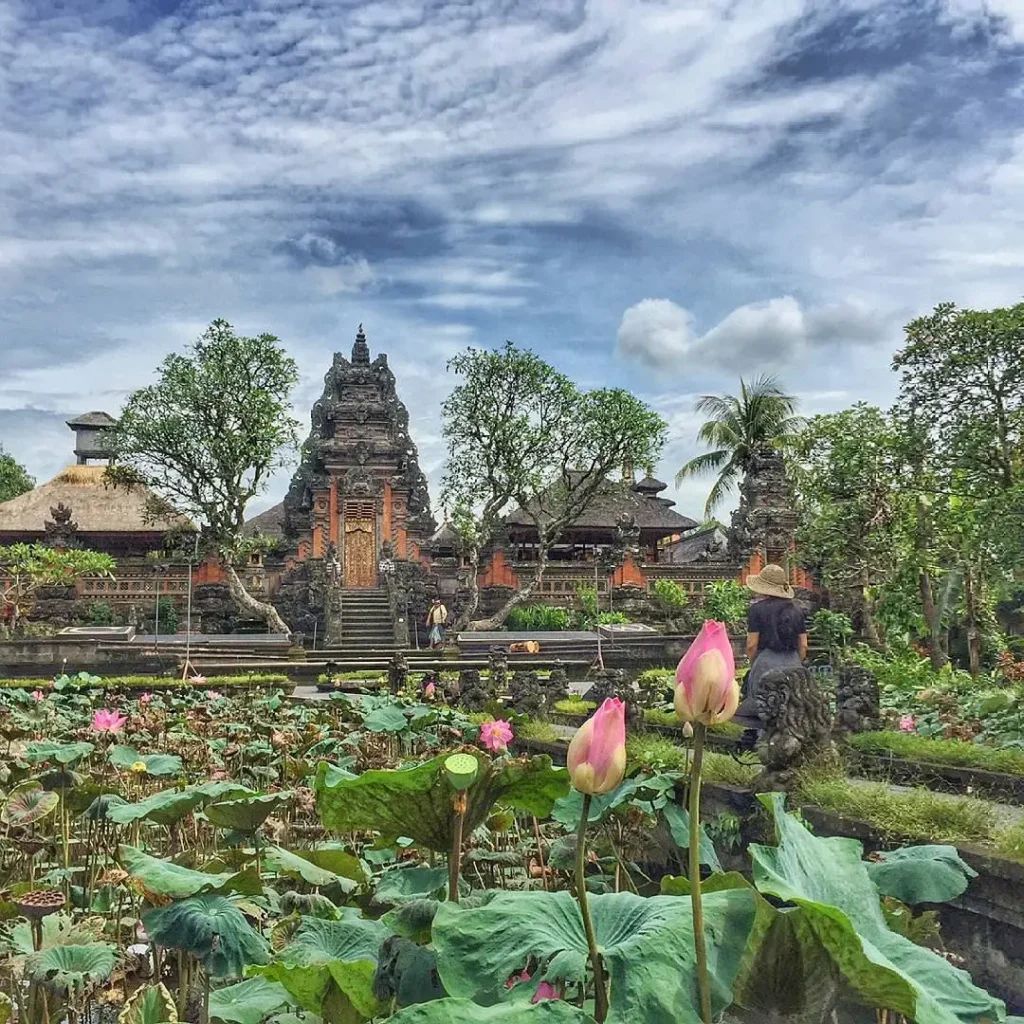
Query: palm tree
(737, 427)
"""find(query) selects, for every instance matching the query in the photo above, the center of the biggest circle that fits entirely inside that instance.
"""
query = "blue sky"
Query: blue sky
(662, 194)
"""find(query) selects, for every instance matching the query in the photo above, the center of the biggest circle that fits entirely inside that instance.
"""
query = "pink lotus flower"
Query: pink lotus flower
(597, 754)
(908, 723)
(496, 736)
(214, 694)
(545, 990)
(429, 690)
(197, 680)
(706, 689)
(146, 698)
(522, 976)
(38, 695)
(108, 721)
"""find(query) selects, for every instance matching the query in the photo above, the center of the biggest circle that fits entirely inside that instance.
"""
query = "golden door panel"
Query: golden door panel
(360, 557)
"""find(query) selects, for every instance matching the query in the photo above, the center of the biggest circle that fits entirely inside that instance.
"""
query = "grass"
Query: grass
(574, 706)
(916, 814)
(662, 754)
(954, 753)
(1010, 842)
(535, 729)
(154, 682)
(652, 716)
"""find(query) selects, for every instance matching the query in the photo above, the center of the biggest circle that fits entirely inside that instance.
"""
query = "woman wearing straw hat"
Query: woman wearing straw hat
(776, 631)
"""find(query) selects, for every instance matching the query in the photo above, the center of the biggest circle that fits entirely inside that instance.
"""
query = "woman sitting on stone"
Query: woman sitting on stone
(776, 632)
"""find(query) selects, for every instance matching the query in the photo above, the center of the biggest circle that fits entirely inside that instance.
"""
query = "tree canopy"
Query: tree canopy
(520, 434)
(208, 435)
(14, 478)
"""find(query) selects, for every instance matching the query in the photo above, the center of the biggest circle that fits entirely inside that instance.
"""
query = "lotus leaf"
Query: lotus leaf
(165, 878)
(647, 945)
(150, 1004)
(171, 805)
(829, 883)
(246, 813)
(61, 753)
(921, 874)
(446, 1011)
(402, 885)
(648, 792)
(284, 862)
(27, 804)
(417, 801)
(212, 929)
(156, 764)
(389, 718)
(328, 966)
(71, 969)
(406, 973)
(678, 820)
(248, 1002)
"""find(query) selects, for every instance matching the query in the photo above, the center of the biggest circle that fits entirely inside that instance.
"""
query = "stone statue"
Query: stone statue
(61, 532)
(857, 701)
(526, 694)
(612, 682)
(474, 693)
(797, 726)
(556, 687)
(398, 673)
(497, 663)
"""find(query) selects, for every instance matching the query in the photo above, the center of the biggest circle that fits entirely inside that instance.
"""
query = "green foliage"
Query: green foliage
(210, 928)
(168, 617)
(538, 617)
(724, 601)
(171, 805)
(247, 1002)
(101, 613)
(921, 874)
(71, 969)
(125, 757)
(28, 804)
(837, 905)
(403, 885)
(246, 813)
(14, 478)
(954, 753)
(831, 630)
(671, 597)
(301, 865)
(154, 683)
(574, 706)
(661, 754)
(164, 878)
(149, 1004)
(736, 429)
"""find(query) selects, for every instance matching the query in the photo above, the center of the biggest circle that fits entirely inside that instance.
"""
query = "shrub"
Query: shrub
(671, 597)
(101, 614)
(831, 630)
(725, 601)
(168, 615)
(537, 617)
(613, 618)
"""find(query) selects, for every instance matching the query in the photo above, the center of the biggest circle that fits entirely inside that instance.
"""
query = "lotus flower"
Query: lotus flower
(522, 976)
(706, 689)
(496, 736)
(108, 721)
(146, 698)
(429, 690)
(597, 754)
(214, 694)
(545, 990)
(908, 723)
(197, 680)
(38, 695)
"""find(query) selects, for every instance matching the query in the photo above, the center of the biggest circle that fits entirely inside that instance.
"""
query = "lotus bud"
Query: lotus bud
(597, 754)
(706, 689)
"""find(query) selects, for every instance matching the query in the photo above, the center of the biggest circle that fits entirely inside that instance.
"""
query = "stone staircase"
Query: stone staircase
(365, 622)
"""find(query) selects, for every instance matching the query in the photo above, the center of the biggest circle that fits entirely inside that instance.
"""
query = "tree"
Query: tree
(14, 478)
(25, 568)
(206, 438)
(857, 520)
(738, 426)
(521, 434)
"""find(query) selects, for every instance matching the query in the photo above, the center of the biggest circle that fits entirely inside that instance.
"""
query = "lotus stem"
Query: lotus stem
(600, 985)
(703, 984)
(455, 857)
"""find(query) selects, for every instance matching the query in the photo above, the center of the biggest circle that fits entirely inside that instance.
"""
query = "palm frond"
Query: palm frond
(704, 463)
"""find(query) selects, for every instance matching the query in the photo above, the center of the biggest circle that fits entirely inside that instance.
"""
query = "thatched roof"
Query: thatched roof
(614, 498)
(267, 524)
(709, 542)
(96, 506)
(92, 419)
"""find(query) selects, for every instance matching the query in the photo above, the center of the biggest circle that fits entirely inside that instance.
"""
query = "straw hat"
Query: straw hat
(770, 581)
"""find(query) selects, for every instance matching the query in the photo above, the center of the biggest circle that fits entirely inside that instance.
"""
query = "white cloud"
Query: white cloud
(776, 333)
(351, 275)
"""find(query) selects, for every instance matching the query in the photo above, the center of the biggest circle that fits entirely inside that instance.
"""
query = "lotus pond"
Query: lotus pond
(200, 855)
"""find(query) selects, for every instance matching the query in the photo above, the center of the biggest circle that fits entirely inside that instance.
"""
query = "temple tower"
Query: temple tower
(359, 486)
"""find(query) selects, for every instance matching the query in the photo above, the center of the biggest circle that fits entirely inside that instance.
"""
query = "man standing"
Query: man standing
(437, 618)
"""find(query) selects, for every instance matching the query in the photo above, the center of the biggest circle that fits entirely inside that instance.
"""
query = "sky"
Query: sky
(664, 195)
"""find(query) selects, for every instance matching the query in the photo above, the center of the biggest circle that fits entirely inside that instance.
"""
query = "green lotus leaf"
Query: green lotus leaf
(417, 802)
(389, 718)
(406, 973)
(678, 820)
(338, 860)
(650, 793)
(647, 945)
(150, 1004)
(246, 813)
(71, 969)
(171, 805)
(248, 1002)
(61, 753)
(921, 874)
(838, 905)
(156, 764)
(284, 862)
(464, 1011)
(402, 885)
(27, 804)
(328, 966)
(168, 879)
(213, 930)
(413, 920)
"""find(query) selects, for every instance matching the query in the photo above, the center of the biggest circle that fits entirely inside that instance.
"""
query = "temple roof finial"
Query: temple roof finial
(360, 350)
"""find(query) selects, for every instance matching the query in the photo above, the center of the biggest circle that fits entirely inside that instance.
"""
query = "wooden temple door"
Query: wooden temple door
(360, 544)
